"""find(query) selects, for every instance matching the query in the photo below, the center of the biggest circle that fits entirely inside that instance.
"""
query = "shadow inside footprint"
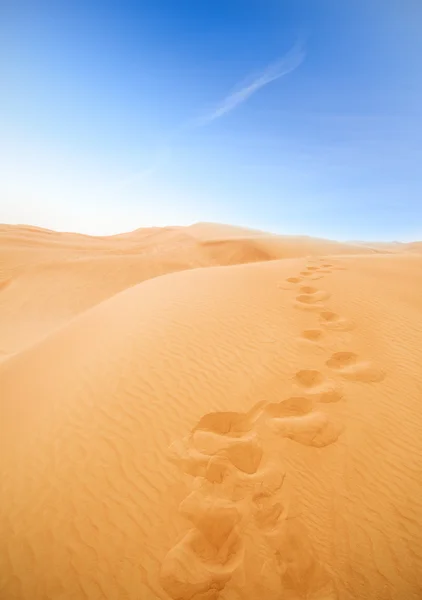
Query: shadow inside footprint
(332, 320)
(197, 568)
(306, 299)
(307, 289)
(315, 384)
(340, 360)
(329, 316)
(309, 378)
(214, 517)
(313, 429)
(313, 335)
(225, 423)
(290, 407)
(311, 296)
(245, 453)
(349, 366)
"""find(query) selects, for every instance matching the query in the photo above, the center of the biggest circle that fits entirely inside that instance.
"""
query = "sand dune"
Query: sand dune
(208, 413)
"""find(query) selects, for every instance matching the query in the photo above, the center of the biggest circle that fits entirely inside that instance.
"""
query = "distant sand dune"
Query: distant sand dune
(209, 413)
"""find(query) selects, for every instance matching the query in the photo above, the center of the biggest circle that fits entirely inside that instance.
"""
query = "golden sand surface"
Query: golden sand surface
(209, 412)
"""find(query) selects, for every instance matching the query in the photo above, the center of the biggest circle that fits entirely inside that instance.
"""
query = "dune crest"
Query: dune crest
(209, 413)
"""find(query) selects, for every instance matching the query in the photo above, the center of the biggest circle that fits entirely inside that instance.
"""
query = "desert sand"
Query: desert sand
(209, 412)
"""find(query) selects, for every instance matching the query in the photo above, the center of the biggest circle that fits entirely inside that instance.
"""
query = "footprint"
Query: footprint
(218, 443)
(306, 273)
(319, 389)
(218, 469)
(185, 456)
(269, 479)
(314, 429)
(225, 423)
(294, 279)
(312, 268)
(307, 289)
(245, 453)
(312, 335)
(333, 321)
(316, 294)
(197, 567)
(317, 276)
(306, 298)
(230, 423)
(214, 517)
(291, 407)
(214, 468)
(309, 378)
(302, 574)
(349, 366)
(311, 300)
(269, 509)
(341, 360)
(329, 317)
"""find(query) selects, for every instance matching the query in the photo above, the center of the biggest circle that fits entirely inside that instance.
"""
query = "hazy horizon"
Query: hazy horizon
(292, 117)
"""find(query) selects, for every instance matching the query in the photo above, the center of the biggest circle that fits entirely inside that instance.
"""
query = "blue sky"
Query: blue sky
(294, 116)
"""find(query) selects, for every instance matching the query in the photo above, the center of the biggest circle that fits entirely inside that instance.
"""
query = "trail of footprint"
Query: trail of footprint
(349, 366)
(317, 386)
(223, 448)
(331, 320)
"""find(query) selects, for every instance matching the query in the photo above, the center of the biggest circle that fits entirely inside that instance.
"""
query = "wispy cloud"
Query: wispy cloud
(281, 67)
(275, 70)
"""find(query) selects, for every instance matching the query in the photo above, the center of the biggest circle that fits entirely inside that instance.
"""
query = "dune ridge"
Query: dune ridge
(208, 413)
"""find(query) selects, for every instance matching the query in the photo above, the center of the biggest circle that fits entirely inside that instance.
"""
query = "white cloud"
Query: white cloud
(281, 67)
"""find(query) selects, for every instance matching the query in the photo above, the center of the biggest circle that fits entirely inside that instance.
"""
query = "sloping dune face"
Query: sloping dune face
(176, 429)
